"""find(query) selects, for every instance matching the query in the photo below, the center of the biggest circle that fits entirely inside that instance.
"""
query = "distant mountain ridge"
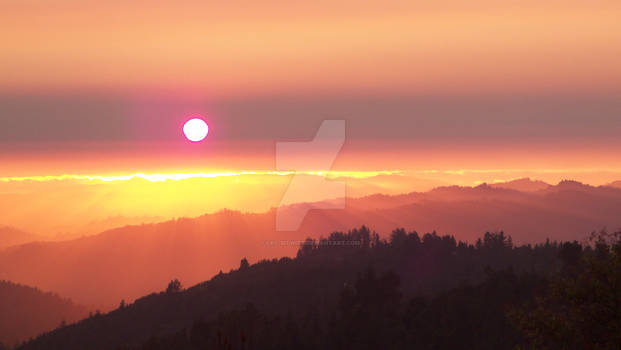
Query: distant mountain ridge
(523, 185)
(615, 184)
(11, 236)
(133, 260)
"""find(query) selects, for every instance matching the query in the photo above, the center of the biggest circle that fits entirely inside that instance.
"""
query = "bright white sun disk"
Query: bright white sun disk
(195, 129)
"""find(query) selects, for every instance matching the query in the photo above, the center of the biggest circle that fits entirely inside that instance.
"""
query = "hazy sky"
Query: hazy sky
(97, 72)
(92, 134)
(246, 48)
(453, 91)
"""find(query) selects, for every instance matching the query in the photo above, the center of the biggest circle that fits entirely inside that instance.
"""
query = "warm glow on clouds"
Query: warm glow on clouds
(186, 176)
(92, 203)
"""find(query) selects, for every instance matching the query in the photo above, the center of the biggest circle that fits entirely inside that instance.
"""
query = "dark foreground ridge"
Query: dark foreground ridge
(428, 292)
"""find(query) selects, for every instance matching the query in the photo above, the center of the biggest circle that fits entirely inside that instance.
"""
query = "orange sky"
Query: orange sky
(443, 92)
(249, 49)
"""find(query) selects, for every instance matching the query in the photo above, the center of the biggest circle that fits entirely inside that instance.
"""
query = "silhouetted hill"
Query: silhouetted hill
(11, 236)
(26, 312)
(615, 184)
(133, 260)
(567, 211)
(523, 185)
(315, 282)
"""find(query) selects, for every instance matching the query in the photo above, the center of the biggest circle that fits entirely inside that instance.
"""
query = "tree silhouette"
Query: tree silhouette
(173, 287)
(582, 308)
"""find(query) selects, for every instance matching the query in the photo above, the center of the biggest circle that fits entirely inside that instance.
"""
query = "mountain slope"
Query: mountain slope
(26, 312)
(308, 283)
(134, 260)
(523, 185)
(11, 236)
(615, 184)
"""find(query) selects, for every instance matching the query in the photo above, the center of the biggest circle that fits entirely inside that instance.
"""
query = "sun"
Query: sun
(195, 129)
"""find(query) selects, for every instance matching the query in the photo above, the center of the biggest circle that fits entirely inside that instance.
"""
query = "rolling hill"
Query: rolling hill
(134, 260)
(26, 312)
(275, 295)
(11, 236)
(523, 185)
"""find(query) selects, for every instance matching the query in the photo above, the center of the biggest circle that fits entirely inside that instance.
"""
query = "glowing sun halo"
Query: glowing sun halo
(195, 129)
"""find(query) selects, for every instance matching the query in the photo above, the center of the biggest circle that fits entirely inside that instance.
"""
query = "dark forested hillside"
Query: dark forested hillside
(372, 313)
(26, 312)
(407, 281)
